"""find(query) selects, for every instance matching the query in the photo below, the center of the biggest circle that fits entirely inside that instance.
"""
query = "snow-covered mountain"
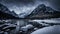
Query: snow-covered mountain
(6, 13)
(4, 9)
(43, 11)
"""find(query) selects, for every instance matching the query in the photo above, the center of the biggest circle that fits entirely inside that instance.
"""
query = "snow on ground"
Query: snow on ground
(25, 28)
(48, 30)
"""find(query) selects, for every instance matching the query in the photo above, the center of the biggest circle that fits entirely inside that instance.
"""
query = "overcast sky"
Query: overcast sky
(20, 6)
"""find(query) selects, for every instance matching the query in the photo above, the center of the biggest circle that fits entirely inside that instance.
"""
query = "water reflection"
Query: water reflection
(56, 20)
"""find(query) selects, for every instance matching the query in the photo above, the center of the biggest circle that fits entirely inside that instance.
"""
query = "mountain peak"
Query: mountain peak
(43, 11)
(7, 14)
(41, 5)
(40, 8)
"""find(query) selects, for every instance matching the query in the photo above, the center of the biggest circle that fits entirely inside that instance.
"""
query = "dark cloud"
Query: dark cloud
(55, 4)
(18, 1)
(22, 5)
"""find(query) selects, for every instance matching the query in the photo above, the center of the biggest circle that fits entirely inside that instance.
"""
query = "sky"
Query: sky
(21, 6)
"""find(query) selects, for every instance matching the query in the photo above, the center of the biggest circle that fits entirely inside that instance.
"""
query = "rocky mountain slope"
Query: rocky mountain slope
(5, 13)
(43, 11)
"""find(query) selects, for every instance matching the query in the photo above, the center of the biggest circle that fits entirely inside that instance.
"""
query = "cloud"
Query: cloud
(28, 5)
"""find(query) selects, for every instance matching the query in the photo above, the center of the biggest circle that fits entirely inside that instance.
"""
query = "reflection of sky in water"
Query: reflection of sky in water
(49, 20)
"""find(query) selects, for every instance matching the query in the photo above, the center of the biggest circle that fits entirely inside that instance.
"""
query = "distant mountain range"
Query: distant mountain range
(5, 13)
(43, 11)
(40, 11)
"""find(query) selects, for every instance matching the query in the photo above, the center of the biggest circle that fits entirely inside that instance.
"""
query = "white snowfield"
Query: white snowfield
(48, 30)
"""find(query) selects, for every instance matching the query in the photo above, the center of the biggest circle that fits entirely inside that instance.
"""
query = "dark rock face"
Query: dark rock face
(43, 11)
(14, 14)
(5, 13)
(38, 9)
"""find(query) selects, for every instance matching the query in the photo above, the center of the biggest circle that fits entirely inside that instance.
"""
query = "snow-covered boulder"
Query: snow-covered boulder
(25, 28)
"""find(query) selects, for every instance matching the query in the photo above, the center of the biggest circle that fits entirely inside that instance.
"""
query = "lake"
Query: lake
(21, 23)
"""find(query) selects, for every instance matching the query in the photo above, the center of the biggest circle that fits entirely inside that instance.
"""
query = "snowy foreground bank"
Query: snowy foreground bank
(48, 30)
